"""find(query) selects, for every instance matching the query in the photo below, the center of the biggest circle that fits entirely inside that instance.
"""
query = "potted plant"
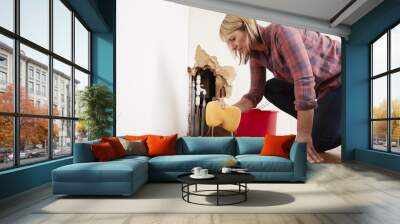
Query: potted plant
(96, 102)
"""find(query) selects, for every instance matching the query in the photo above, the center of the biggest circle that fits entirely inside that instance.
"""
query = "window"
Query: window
(35, 21)
(37, 74)
(37, 89)
(43, 77)
(81, 45)
(62, 29)
(30, 87)
(3, 78)
(81, 81)
(45, 131)
(62, 137)
(33, 148)
(6, 73)
(395, 47)
(3, 72)
(30, 72)
(55, 102)
(385, 95)
(6, 142)
(44, 91)
(7, 14)
(62, 74)
(3, 61)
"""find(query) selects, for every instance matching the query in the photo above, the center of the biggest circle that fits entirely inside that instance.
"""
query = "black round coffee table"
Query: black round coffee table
(238, 179)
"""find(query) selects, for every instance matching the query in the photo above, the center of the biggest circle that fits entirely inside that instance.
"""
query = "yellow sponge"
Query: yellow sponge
(228, 117)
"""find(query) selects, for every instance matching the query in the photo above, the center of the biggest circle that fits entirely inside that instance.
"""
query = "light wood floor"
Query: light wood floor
(378, 188)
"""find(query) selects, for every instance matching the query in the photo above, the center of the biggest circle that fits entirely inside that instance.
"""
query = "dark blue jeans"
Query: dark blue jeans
(326, 130)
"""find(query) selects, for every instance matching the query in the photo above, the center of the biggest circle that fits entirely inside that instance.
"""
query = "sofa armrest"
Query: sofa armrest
(298, 155)
(83, 152)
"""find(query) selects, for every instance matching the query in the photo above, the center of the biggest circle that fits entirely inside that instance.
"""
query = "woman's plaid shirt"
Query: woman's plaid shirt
(307, 59)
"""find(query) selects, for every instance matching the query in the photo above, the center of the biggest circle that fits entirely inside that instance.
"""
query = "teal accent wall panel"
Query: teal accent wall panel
(103, 63)
(356, 100)
(24, 178)
(380, 159)
(356, 82)
(102, 58)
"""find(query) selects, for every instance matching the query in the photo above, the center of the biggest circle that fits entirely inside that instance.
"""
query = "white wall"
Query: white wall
(152, 43)
(156, 41)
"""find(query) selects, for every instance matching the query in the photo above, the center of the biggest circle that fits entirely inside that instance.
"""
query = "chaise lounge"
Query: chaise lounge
(125, 176)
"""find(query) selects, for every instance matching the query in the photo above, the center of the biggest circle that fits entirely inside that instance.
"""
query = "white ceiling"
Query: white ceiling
(320, 9)
(317, 15)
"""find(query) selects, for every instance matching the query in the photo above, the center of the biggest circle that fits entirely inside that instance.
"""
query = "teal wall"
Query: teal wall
(99, 16)
(24, 178)
(103, 51)
(103, 63)
(356, 82)
(102, 58)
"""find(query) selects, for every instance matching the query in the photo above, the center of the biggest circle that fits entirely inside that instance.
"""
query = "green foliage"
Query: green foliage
(380, 127)
(96, 102)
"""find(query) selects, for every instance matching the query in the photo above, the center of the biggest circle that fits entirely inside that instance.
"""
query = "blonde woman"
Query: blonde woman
(307, 70)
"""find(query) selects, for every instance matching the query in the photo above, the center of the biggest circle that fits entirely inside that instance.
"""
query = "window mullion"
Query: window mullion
(73, 82)
(389, 106)
(16, 84)
(371, 137)
(50, 79)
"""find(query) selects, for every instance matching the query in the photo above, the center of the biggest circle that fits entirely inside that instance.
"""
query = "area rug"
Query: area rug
(167, 198)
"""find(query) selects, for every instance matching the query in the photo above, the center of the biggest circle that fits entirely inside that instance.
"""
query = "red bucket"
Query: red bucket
(257, 123)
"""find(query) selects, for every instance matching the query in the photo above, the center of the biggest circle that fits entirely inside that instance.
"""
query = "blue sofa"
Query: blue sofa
(125, 176)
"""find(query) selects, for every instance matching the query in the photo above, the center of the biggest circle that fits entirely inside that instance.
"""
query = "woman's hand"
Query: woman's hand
(244, 104)
(312, 155)
(304, 129)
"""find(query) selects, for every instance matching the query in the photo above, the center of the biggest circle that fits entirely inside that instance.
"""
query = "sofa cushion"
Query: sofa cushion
(135, 147)
(136, 137)
(185, 163)
(206, 145)
(249, 145)
(257, 163)
(159, 145)
(277, 145)
(103, 152)
(111, 171)
(116, 145)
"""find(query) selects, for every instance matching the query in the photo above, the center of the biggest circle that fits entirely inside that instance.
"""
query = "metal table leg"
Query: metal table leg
(245, 194)
(217, 194)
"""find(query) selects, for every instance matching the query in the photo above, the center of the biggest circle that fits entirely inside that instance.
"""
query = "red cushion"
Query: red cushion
(103, 151)
(116, 145)
(277, 145)
(161, 145)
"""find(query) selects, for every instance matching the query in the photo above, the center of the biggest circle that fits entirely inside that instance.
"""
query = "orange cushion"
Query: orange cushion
(161, 145)
(136, 137)
(277, 145)
(103, 151)
(116, 145)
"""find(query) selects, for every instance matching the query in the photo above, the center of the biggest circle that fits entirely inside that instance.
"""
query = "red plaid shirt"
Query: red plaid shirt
(307, 59)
